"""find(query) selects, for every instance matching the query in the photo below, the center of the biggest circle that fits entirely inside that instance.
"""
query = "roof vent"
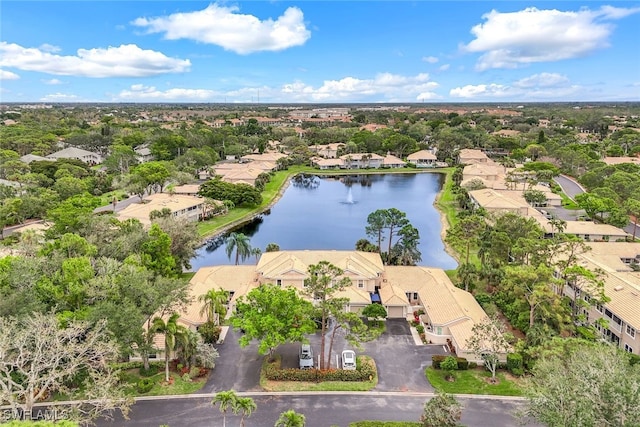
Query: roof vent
(618, 288)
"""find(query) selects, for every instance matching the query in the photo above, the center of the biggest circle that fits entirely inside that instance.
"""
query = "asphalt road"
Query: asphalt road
(400, 395)
(400, 362)
(570, 187)
(320, 410)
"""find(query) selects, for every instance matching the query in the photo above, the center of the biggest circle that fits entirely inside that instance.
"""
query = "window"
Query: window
(616, 320)
(631, 331)
(361, 283)
(628, 348)
(415, 295)
(599, 308)
(279, 282)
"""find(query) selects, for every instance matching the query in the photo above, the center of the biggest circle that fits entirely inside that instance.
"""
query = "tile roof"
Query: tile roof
(445, 304)
(422, 155)
(158, 201)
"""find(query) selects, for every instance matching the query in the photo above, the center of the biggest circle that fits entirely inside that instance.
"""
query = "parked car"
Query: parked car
(306, 357)
(349, 360)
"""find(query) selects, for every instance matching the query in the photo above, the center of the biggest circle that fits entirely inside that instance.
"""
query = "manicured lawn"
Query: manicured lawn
(269, 385)
(473, 381)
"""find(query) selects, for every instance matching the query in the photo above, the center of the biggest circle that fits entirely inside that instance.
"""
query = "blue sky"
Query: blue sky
(319, 51)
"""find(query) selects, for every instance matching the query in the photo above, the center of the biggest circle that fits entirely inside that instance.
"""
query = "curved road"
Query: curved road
(569, 186)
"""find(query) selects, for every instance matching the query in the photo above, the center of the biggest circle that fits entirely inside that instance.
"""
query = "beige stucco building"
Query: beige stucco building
(450, 312)
(618, 263)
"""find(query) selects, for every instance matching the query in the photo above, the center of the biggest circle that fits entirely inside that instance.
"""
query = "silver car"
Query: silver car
(306, 357)
(349, 360)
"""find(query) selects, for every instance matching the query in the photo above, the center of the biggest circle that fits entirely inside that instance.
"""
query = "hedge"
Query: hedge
(365, 372)
(514, 363)
(436, 359)
(145, 385)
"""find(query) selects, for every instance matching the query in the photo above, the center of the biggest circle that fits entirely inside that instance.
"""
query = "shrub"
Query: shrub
(436, 359)
(518, 372)
(420, 329)
(514, 361)
(153, 369)
(364, 372)
(473, 365)
(449, 364)
(483, 298)
(463, 364)
(186, 378)
(145, 385)
(210, 332)
(194, 372)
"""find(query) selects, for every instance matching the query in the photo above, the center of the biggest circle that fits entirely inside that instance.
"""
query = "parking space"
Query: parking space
(400, 361)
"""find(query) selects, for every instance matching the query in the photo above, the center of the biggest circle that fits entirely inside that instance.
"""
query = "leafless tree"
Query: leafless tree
(38, 357)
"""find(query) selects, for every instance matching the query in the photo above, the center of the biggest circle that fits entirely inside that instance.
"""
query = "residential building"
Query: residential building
(590, 231)
(328, 151)
(618, 264)
(28, 158)
(392, 162)
(450, 312)
(423, 159)
(468, 156)
(88, 157)
(143, 153)
(185, 207)
(362, 160)
(330, 163)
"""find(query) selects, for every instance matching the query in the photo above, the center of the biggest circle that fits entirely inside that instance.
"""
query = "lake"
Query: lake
(331, 213)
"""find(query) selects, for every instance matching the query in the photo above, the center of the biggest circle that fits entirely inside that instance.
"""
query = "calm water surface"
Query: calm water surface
(331, 213)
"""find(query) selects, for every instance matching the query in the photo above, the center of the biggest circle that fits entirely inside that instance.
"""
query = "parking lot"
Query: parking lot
(399, 360)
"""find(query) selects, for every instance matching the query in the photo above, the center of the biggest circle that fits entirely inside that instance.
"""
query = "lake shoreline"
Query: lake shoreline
(444, 223)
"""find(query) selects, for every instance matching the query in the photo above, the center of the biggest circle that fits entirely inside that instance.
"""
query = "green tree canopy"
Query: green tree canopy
(273, 316)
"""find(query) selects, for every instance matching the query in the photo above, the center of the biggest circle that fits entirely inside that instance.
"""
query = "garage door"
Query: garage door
(395, 312)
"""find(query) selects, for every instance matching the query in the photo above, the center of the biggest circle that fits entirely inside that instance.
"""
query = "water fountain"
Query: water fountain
(350, 197)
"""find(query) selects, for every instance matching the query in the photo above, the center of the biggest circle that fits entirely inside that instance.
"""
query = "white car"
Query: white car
(349, 360)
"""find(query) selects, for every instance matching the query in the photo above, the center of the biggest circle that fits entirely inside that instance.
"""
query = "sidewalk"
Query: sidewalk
(416, 337)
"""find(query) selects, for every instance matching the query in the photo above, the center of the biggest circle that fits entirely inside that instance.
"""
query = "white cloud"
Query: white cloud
(122, 61)
(538, 86)
(222, 26)
(8, 75)
(542, 80)
(385, 86)
(430, 59)
(46, 47)
(444, 67)
(475, 91)
(52, 82)
(511, 40)
(139, 92)
(60, 97)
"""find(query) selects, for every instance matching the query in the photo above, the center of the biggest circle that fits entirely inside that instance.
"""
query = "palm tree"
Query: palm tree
(240, 243)
(214, 304)
(226, 400)
(187, 347)
(256, 252)
(245, 406)
(171, 331)
(291, 418)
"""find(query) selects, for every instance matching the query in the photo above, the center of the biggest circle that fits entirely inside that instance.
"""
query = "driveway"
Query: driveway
(400, 361)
